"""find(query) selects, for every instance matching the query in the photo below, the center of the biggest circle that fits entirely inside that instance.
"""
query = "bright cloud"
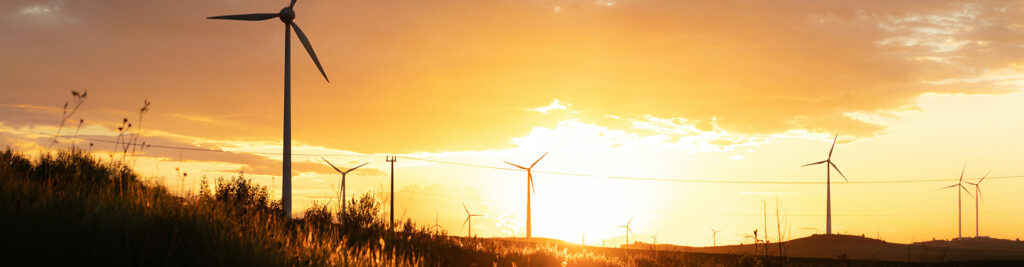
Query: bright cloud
(555, 105)
(38, 10)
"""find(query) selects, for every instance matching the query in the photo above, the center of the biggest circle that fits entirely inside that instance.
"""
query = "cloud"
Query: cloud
(38, 10)
(555, 105)
(757, 67)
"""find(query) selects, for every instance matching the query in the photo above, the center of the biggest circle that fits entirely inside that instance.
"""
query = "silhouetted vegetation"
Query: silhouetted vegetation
(73, 209)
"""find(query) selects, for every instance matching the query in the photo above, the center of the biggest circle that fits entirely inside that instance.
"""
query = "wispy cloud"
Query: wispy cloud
(555, 105)
(38, 9)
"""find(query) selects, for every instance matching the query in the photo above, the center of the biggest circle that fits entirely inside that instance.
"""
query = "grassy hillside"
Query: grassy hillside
(73, 209)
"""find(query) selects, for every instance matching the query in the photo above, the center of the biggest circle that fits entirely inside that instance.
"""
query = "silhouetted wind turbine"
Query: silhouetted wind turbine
(714, 237)
(469, 220)
(627, 228)
(343, 173)
(287, 15)
(828, 184)
(959, 185)
(436, 225)
(529, 189)
(977, 198)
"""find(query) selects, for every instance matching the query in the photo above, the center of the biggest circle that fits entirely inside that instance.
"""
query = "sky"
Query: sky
(696, 95)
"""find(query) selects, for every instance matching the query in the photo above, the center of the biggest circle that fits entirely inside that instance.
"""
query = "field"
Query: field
(73, 209)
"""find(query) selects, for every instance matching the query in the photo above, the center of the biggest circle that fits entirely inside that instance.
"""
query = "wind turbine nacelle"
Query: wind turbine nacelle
(287, 15)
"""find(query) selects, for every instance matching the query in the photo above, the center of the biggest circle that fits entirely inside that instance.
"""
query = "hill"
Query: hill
(863, 248)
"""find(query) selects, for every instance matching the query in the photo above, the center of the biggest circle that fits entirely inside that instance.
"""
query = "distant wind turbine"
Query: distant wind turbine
(343, 174)
(529, 189)
(627, 228)
(828, 184)
(469, 220)
(287, 15)
(959, 185)
(977, 194)
(714, 237)
(436, 226)
(654, 237)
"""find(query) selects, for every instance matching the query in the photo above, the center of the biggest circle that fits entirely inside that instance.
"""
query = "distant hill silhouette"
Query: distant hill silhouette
(864, 248)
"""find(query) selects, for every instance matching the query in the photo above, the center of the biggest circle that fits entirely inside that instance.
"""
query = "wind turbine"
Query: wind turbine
(469, 220)
(714, 237)
(959, 185)
(287, 15)
(655, 238)
(343, 174)
(977, 193)
(828, 184)
(627, 229)
(529, 189)
(436, 225)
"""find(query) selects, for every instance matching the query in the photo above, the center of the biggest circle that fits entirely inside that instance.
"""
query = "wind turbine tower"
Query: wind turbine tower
(343, 174)
(287, 15)
(977, 198)
(392, 159)
(628, 231)
(469, 220)
(529, 190)
(960, 188)
(714, 237)
(828, 184)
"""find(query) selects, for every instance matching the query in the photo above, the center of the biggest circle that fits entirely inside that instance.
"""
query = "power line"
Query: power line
(610, 177)
(724, 213)
(699, 180)
(632, 178)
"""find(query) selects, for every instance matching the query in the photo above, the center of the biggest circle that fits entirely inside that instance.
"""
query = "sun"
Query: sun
(577, 206)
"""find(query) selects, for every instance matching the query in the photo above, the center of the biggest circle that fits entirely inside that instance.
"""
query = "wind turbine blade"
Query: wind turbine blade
(357, 167)
(538, 160)
(630, 221)
(250, 17)
(966, 191)
(292, 4)
(979, 193)
(983, 177)
(465, 208)
(309, 49)
(332, 165)
(949, 186)
(532, 187)
(466, 221)
(962, 172)
(521, 167)
(833, 145)
(816, 163)
(837, 169)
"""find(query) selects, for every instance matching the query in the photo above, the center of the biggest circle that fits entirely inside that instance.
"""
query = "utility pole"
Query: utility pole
(392, 159)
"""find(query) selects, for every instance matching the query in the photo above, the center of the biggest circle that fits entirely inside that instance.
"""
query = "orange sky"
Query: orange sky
(731, 90)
